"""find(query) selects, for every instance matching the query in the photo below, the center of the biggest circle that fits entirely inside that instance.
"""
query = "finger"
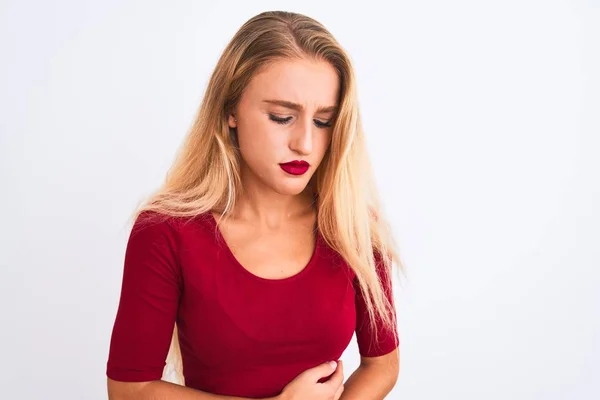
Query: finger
(338, 376)
(322, 370)
(339, 392)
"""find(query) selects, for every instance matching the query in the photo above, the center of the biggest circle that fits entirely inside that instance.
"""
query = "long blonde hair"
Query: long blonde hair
(205, 174)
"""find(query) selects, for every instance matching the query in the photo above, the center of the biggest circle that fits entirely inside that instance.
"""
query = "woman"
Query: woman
(265, 250)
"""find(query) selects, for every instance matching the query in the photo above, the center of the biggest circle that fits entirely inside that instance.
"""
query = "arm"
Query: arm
(143, 328)
(159, 390)
(373, 379)
(380, 365)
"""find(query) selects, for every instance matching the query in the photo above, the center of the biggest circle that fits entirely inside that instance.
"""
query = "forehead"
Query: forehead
(307, 82)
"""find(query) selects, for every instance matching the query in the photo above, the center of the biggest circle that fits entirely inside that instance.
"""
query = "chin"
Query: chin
(291, 188)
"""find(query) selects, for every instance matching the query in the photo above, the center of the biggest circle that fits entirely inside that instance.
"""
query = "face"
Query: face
(284, 124)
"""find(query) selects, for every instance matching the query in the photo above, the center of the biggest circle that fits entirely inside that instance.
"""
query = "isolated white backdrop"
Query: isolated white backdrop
(482, 121)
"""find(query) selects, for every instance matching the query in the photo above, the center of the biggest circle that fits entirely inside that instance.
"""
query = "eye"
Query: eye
(283, 121)
(322, 124)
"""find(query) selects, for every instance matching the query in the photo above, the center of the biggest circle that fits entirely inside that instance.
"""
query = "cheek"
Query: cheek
(322, 143)
(261, 143)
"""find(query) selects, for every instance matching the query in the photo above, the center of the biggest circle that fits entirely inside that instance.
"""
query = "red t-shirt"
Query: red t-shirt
(240, 334)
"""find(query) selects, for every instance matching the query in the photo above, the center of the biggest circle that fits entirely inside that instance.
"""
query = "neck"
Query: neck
(265, 207)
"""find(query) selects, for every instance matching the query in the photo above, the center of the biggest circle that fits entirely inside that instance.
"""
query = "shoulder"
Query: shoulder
(161, 222)
(173, 233)
(157, 240)
(152, 225)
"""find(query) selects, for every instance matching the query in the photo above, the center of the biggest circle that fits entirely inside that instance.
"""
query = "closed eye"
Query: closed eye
(281, 121)
(286, 120)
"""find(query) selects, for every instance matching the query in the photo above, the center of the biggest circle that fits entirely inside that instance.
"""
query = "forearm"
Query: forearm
(162, 390)
(369, 382)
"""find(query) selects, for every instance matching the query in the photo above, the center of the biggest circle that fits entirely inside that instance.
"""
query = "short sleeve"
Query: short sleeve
(148, 302)
(387, 339)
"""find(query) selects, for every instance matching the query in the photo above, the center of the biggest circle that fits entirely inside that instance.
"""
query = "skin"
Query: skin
(271, 195)
(271, 229)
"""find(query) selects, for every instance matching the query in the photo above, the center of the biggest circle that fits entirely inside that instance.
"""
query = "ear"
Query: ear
(232, 121)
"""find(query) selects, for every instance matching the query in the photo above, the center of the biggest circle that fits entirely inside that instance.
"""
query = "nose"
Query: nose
(301, 140)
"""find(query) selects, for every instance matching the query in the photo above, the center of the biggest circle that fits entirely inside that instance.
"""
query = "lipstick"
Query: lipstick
(296, 167)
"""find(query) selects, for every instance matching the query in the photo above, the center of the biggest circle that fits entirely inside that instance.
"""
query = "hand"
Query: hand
(306, 385)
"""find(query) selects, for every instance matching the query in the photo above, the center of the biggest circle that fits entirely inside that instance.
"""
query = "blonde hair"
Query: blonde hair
(205, 174)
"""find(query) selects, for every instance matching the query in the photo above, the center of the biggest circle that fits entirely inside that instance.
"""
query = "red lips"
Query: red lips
(296, 167)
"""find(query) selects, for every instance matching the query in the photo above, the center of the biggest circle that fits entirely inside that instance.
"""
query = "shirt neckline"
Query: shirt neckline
(222, 242)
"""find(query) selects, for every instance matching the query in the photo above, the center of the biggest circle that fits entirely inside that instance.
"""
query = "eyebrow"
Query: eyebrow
(298, 107)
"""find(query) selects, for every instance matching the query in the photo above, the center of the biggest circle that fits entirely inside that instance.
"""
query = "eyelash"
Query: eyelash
(283, 121)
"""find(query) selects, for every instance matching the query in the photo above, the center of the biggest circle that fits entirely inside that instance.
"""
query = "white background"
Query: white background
(483, 124)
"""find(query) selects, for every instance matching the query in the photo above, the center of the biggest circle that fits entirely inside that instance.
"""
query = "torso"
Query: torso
(247, 330)
(240, 333)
